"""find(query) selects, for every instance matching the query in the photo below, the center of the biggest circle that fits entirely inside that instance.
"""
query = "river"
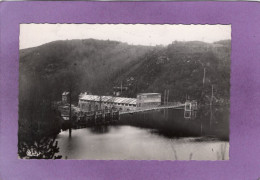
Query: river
(152, 136)
(133, 143)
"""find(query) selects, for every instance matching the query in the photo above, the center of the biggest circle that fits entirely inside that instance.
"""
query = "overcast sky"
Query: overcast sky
(32, 35)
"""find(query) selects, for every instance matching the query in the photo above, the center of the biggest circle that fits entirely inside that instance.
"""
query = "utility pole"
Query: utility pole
(211, 99)
(204, 76)
(70, 120)
(167, 100)
(168, 92)
(164, 97)
(203, 83)
(211, 102)
(164, 103)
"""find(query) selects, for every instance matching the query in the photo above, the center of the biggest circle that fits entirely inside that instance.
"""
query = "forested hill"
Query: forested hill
(97, 65)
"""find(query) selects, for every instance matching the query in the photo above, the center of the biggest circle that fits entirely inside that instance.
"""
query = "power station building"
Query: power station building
(94, 102)
(145, 100)
(88, 102)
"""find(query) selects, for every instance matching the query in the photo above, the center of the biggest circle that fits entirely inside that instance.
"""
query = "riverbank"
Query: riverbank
(37, 134)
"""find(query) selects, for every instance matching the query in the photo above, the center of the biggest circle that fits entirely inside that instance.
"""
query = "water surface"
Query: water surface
(124, 142)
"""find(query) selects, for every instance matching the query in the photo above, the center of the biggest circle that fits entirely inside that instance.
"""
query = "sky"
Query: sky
(32, 35)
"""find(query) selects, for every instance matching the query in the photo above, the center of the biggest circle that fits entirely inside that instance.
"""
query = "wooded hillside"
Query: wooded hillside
(96, 66)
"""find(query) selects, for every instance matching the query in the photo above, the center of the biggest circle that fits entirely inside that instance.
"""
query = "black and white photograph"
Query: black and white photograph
(124, 91)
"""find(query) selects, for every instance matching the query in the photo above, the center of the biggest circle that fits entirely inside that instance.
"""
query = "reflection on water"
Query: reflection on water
(172, 123)
(134, 143)
(155, 135)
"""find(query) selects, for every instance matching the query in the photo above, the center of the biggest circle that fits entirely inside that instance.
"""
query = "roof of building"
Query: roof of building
(97, 98)
(65, 93)
(149, 94)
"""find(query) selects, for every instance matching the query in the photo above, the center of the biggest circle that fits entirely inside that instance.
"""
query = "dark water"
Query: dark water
(162, 135)
(172, 123)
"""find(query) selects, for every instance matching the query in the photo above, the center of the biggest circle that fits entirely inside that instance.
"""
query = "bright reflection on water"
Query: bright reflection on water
(133, 143)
